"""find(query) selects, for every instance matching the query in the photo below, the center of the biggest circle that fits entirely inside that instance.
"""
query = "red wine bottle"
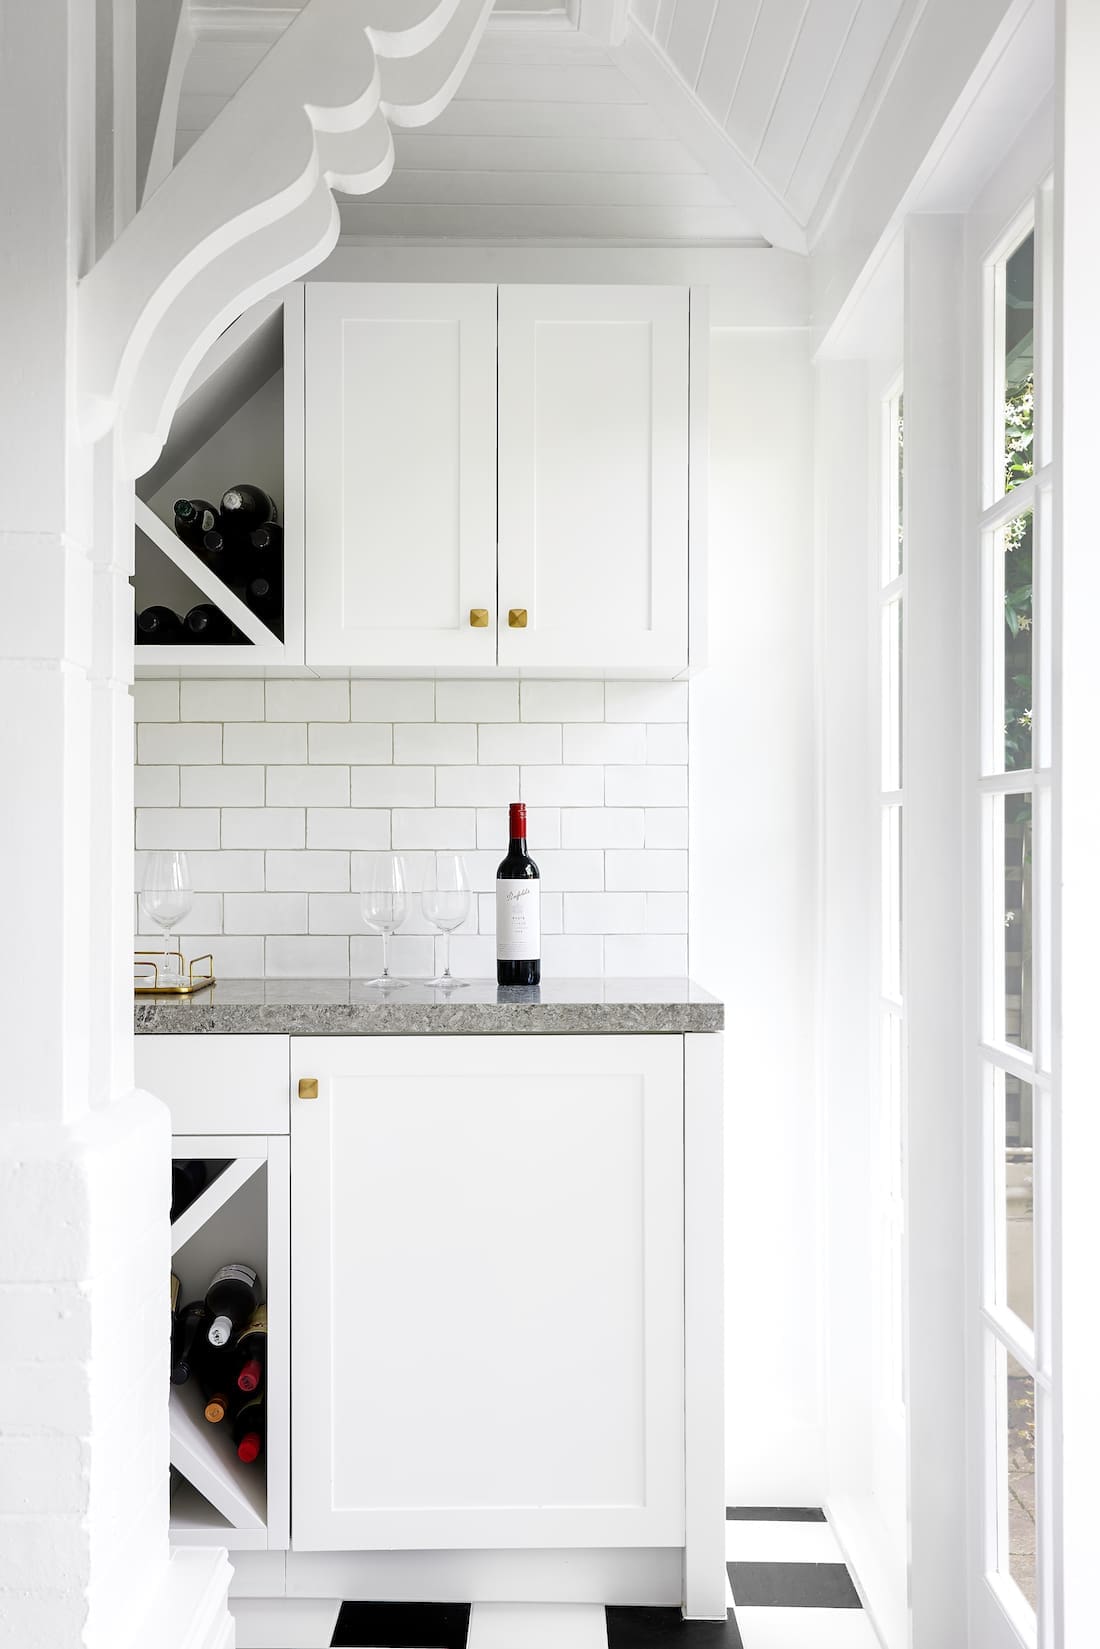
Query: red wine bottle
(251, 1351)
(219, 1390)
(245, 507)
(232, 1297)
(188, 1340)
(192, 517)
(222, 555)
(267, 541)
(159, 627)
(206, 624)
(249, 1430)
(518, 927)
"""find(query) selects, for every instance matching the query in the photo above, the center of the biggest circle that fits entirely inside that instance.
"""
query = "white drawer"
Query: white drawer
(218, 1084)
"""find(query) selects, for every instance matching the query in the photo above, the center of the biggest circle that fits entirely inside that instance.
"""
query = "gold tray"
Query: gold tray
(194, 982)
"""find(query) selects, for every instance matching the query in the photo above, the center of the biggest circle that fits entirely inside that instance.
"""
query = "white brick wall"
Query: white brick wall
(280, 790)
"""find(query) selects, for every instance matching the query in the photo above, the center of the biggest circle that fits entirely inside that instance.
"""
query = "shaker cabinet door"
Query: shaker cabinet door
(487, 1281)
(593, 478)
(400, 475)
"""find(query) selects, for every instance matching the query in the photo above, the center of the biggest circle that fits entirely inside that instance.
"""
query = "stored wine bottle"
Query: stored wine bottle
(192, 517)
(174, 1294)
(188, 1179)
(249, 1430)
(222, 555)
(267, 541)
(219, 1390)
(206, 624)
(518, 926)
(251, 1351)
(245, 507)
(158, 626)
(188, 1340)
(232, 1297)
(264, 596)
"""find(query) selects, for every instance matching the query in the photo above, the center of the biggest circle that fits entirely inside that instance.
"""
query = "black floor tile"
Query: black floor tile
(423, 1625)
(793, 1585)
(629, 1628)
(774, 1514)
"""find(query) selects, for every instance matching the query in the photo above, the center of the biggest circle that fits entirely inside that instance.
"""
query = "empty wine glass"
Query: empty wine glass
(166, 898)
(445, 900)
(384, 904)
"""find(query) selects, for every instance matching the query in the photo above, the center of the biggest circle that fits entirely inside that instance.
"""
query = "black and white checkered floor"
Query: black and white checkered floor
(788, 1589)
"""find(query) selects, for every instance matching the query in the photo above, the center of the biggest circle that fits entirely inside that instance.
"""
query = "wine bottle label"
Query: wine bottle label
(234, 1273)
(256, 1324)
(519, 934)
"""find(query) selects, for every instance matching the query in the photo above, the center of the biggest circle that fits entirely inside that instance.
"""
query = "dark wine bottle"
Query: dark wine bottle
(267, 541)
(188, 1341)
(518, 927)
(251, 1351)
(206, 624)
(188, 1179)
(219, 1390)
(222, 555)
(158, 626)
(264, 595)
(192, 518)
(249, 1430)
(232, 1297)
(245, 507)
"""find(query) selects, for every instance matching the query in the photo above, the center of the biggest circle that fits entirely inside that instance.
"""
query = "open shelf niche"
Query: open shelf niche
(240, 420)
(241, 1214)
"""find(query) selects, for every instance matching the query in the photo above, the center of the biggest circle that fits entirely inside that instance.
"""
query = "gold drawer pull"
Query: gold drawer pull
(517, 618)
(307, 1087)
(479, 618)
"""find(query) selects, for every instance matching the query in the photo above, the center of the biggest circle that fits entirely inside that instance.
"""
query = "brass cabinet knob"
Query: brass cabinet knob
(307, 1087)
(517, 618)
(479, 618)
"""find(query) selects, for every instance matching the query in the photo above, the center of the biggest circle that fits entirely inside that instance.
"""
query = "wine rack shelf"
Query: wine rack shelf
(240, 419)
(241, 1214)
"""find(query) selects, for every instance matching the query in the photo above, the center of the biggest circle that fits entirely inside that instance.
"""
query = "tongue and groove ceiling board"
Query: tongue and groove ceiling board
(698, 122)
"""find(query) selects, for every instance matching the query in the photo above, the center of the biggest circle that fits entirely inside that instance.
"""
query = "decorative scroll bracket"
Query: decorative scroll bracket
(250, 206)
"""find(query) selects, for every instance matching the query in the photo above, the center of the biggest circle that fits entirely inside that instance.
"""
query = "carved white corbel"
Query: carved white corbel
(250, 206)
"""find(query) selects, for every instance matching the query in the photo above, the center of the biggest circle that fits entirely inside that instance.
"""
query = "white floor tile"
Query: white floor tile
(806, 1629)
(748, 1542)
(537, 1626)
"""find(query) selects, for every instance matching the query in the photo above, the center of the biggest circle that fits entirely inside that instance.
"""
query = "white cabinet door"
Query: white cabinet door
(400, 475)
(487, 1282)
(593, 477)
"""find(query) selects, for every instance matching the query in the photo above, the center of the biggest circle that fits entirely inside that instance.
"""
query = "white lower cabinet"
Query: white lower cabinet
(487, 1289)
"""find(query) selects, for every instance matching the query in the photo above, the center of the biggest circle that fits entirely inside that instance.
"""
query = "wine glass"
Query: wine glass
(166, 897)
(384, 904)
(445, 900)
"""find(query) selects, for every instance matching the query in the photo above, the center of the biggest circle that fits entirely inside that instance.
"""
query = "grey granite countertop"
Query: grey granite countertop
(343, 1007)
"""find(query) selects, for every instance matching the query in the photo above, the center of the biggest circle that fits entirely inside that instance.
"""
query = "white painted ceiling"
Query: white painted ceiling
(700, 122)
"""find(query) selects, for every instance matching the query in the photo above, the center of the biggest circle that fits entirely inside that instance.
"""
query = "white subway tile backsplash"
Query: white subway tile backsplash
(520, 742)
(604, 742)
(156, 700)
(220, 701)
(348, 827)
(477, 701)
(646, 786)
(156, 786)
(423, 742)
(646, 701)
(263, 827)
(561, 700)
(284, 792)
(561, 786)
(179, 742)
(221, 786)
(356, 741)
(308, 701)
(418, 827)
(292, 786)
(265, 912)
(314, 872)
(265, 741)
(302, 958)
(184, 827)
(476, 786)
(658, 872)
(394, 786)
(393, 701)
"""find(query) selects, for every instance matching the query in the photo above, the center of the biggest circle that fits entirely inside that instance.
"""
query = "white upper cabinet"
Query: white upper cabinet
(593, 478)
(400, 476)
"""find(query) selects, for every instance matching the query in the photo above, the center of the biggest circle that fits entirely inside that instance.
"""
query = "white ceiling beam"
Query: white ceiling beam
(650, 72)
(603, 21)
